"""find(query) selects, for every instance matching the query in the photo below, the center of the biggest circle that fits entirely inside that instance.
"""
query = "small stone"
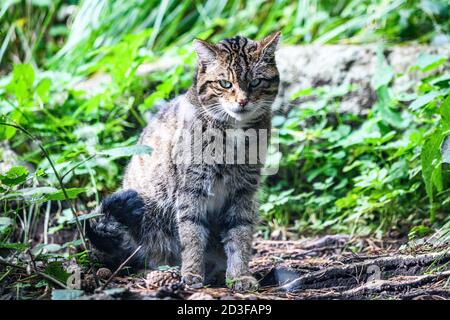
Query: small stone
(171, 291)
(104, 273)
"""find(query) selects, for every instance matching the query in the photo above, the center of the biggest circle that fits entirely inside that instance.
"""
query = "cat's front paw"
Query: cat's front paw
(192, 280)
(245, 283)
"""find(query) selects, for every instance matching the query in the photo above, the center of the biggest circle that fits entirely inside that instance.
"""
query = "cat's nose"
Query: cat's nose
(243, 102)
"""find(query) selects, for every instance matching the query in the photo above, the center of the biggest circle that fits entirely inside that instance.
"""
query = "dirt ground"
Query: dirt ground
(321, 268)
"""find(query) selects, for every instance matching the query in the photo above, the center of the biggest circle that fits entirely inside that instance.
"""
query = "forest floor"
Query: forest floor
(321, 268)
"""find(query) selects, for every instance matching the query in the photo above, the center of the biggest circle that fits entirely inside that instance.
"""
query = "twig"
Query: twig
(40, 274)
(77, 165)
(119, 268)
(33, 263)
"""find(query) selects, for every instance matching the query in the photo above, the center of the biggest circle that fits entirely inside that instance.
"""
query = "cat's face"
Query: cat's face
(237, 78)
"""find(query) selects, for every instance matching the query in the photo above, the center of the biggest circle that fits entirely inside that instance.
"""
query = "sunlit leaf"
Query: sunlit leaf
(383, 72)
(71, 194)
(13, 246)
(427, 98)
(84, 217)
(427, 62)
(14, 176)
(5, 223)
(21, 85)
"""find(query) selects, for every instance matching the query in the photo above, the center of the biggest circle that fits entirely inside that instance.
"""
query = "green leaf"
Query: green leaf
(442, 78)
(419, 231)
(388, 115)
(42, 3)
(436, 177)
(56, 270)
(72, 244)
(431, 166)
(50, 247)
(427, 62)
(72, 193)
(85, 217)
(29, 193)
(43, 89)
(13, 246)
(6, 132)
(302, 93)
(369, 130)
(21, 85)
(5, 223)
(383, 73)
(427, 98)
(5, 5)
(127, 151)
(14, 176)
(445, 112)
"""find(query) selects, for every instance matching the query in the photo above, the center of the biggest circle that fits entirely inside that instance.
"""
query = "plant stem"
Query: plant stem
(58, 177)
(40, 274)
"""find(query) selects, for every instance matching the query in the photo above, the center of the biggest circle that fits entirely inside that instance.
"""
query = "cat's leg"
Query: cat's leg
(240, 219)
(193, 233)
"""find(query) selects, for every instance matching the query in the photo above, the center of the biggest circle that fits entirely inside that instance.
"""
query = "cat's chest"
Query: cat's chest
(218, 194)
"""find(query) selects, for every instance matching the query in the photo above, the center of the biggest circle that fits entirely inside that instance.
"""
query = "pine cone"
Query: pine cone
(158, 278)
(104, 273)
(88, 283)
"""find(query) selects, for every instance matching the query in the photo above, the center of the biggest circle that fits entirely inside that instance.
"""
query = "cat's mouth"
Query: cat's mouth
(241, 111)
(237, 112)
(240, 114)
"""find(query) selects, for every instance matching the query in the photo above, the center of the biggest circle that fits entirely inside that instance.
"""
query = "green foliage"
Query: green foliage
(362, 174)
(339, 172)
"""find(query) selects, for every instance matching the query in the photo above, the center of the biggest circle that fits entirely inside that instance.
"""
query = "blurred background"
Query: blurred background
(78, 79)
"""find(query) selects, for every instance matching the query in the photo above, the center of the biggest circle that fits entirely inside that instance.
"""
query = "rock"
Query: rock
(171, 291)
(307, 66)
(302, 67)
(8, 158)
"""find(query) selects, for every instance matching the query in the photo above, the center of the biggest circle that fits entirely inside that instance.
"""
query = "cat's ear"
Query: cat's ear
(269, 45)
(206, 52)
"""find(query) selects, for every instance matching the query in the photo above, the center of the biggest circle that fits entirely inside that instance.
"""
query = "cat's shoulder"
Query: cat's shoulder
(179, 108)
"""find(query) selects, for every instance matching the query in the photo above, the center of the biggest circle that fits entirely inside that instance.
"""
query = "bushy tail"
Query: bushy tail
(115, 235)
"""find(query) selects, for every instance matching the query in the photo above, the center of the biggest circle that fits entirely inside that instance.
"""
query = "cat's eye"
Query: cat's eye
(225, 84)
(255, 82)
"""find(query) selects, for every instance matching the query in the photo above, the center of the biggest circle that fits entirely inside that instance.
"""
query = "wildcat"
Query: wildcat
(199, 215)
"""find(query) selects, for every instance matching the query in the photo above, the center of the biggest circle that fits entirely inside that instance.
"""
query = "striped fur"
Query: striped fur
(200, 215)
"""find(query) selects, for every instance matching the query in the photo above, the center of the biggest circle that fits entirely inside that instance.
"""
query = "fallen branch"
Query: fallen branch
(387, 286)
(378, 286)
(358, 272)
